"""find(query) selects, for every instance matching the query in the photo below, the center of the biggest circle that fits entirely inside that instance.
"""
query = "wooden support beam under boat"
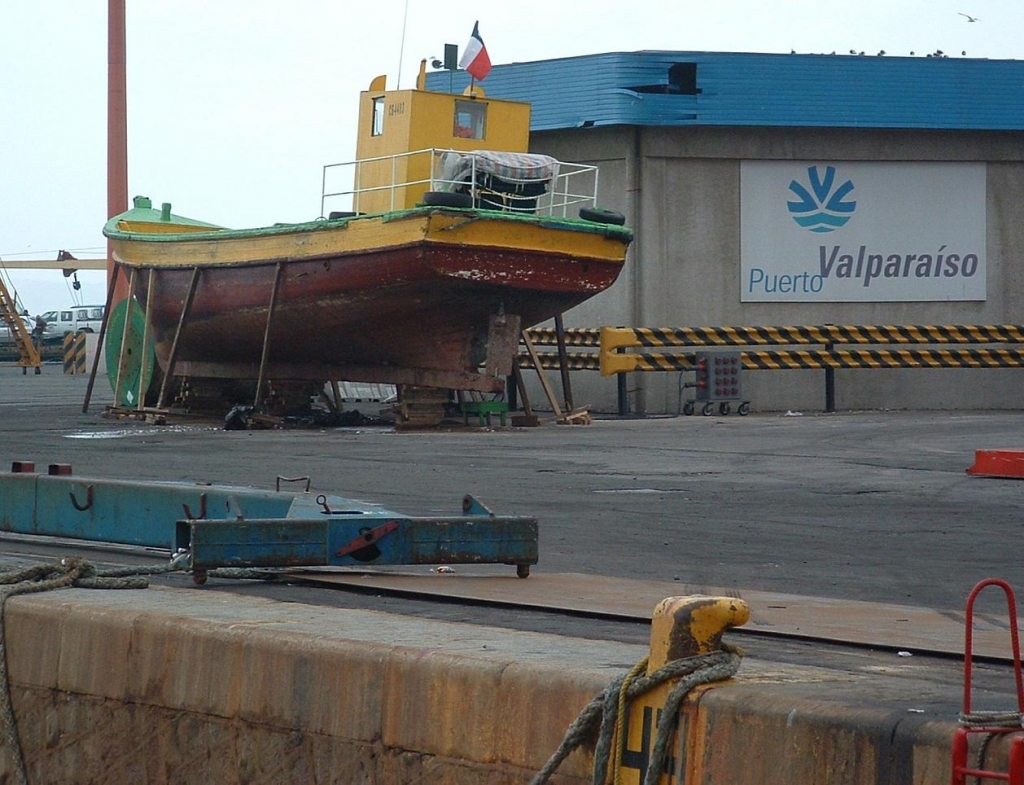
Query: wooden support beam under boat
(517, 372)
(173, 356)
(261, 378)
(145, 338)
(114, 274)
(563, 362)
(336, 389)
(124, 338)
(540, 375)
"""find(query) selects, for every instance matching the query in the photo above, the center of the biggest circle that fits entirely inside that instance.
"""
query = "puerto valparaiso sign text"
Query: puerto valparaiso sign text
(861, 232)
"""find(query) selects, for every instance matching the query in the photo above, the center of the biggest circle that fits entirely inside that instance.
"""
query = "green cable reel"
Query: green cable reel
(126, 328)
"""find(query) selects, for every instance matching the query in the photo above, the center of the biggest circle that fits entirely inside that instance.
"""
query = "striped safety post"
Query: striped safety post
(80, 352)
(74, 353)
(69, 353)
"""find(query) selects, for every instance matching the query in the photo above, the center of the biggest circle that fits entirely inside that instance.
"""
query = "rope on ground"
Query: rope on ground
(245, 573)
(691, 672)
(78, 573)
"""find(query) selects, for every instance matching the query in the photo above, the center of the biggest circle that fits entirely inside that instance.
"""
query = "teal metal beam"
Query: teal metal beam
(205, 526)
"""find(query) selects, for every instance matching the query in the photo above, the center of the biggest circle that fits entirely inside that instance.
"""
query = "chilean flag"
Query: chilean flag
(475, 59)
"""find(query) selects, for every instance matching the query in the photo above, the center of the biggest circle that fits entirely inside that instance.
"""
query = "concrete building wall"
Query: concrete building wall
(680, 190)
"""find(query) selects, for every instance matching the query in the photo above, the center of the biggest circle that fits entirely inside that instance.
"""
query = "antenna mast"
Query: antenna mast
(401, 49)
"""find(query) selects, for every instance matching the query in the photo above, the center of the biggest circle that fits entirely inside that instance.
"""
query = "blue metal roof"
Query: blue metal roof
(746, 89)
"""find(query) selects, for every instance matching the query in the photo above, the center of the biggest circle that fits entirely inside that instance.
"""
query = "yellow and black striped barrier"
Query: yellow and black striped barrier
(614, 340)
(886, 358)
(611, 341)
(828, 347)
(575, 361)
(574, 336)
(74, 353)
(794, 360)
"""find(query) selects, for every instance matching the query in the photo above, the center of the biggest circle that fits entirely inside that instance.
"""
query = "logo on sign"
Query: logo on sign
(822, 206)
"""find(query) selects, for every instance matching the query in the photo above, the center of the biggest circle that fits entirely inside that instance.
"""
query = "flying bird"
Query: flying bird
(968, 17)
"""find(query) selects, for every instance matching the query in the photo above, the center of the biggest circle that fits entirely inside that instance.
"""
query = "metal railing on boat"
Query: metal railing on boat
(550, 188)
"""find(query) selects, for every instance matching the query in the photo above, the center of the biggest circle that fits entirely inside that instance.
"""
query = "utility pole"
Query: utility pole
(117, 128)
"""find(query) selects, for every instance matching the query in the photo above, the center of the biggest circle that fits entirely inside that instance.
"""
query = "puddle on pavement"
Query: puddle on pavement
(129, 432)
(640, 490)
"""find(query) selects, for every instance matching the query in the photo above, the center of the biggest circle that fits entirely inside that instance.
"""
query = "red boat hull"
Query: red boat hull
(416, 314)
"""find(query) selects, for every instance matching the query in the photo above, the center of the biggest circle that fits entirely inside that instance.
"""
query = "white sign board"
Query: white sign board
(861, 232)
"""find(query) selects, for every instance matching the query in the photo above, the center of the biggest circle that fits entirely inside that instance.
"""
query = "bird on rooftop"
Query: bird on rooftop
(968, 17)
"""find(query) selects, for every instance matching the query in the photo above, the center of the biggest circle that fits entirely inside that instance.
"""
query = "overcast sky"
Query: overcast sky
(235, 105)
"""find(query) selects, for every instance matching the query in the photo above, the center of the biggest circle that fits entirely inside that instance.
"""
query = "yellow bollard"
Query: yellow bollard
(681, 627)
(688, 626)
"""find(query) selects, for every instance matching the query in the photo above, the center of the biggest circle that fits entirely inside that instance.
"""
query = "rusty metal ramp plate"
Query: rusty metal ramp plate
(900, 627)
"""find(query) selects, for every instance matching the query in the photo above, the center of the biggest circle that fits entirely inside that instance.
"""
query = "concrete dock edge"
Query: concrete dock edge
(180, 685)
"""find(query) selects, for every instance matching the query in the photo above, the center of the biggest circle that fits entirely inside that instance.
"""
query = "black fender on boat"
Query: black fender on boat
(598, 215)
(447, 199)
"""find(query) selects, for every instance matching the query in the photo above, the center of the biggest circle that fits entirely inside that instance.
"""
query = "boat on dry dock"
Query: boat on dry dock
(450, 241)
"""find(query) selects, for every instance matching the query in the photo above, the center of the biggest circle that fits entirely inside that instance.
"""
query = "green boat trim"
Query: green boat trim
(144, 213)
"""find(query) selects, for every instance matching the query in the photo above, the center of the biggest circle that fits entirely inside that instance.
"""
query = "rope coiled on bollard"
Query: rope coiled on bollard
(622, 707)
(601, 713)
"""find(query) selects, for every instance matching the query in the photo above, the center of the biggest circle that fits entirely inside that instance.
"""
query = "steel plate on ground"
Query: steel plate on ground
(813, 618)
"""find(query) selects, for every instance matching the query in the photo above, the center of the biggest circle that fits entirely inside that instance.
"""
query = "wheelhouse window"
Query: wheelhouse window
(378, 117)
(470, 120)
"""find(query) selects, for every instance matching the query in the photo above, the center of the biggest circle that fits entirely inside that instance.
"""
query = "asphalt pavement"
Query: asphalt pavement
(869, 505)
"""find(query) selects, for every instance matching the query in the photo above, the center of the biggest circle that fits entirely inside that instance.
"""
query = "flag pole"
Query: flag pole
(401, 49)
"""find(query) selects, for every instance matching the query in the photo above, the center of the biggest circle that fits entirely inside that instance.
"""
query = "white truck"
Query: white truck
(75, 319)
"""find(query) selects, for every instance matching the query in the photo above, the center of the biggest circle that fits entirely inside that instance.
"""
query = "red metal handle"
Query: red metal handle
(1011, 606)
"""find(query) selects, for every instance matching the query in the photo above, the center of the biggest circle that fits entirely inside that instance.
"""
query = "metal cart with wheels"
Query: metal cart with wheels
(718, 385)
